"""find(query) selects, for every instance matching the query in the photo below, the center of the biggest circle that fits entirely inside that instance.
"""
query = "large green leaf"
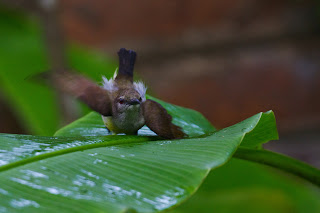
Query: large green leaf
(111, 173)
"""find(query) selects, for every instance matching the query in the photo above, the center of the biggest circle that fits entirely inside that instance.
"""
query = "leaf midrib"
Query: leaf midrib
(74, 149)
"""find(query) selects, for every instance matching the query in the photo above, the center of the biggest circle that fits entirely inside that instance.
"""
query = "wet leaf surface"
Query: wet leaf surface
(112, 173)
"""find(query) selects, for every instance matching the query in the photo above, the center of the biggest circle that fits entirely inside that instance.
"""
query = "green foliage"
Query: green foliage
(114, 173)
(243, 186)
(22, 55)
(288, 164)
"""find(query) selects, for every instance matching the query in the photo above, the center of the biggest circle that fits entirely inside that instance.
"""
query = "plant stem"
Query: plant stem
(281, 162)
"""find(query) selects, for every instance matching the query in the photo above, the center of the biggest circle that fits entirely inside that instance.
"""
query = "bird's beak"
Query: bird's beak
(134, 101)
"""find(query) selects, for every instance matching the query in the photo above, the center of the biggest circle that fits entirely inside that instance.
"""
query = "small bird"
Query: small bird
(121, 102)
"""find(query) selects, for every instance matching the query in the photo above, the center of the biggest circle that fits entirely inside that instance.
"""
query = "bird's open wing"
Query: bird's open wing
(159, 121)
(83, 89)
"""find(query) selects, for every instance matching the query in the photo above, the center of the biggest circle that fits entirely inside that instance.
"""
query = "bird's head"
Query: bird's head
(127, 99)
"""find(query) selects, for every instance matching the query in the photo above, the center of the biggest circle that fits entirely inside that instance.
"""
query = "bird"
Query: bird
(121, 102)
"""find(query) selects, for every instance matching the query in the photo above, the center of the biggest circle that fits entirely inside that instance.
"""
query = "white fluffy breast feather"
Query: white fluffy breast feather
(110, 85)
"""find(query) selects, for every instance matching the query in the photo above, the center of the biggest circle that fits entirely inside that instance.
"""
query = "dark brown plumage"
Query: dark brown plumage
(159, 121)
(85, 90)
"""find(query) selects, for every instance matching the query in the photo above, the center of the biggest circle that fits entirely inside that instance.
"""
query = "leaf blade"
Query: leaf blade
(122, 176)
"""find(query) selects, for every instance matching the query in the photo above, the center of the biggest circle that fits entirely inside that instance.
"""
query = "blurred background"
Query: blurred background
(226, 59)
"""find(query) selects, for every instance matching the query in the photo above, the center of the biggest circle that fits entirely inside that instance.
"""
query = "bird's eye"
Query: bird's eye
(140, 99)
(121, 101)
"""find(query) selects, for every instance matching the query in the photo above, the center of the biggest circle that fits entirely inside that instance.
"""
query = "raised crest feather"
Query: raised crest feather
(127, 59)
